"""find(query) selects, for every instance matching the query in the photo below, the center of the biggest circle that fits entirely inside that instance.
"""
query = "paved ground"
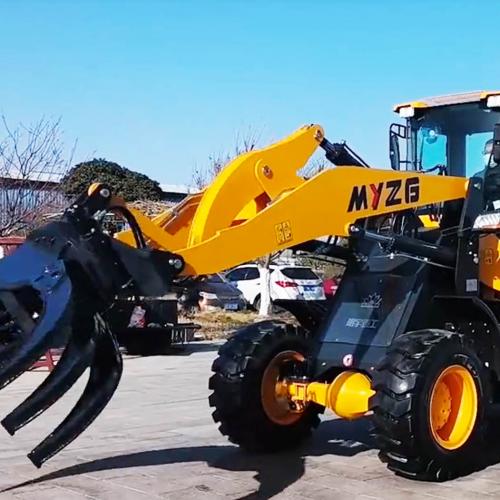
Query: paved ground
(156, 439)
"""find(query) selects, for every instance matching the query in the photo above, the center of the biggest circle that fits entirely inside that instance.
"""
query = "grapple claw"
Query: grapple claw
(105, 374)
(53, 292)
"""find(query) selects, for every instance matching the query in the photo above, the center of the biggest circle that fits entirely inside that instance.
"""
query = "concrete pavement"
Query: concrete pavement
(156, 439)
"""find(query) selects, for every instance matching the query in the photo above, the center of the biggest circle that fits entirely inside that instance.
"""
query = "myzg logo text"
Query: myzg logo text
(386, 194)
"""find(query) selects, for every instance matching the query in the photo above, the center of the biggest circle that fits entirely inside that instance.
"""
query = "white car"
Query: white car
(288, 282)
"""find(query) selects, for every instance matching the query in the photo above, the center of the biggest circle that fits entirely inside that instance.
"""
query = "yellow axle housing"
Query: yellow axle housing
(347, 396)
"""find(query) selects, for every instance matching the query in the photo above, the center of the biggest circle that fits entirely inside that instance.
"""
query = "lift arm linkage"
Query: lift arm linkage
(259, 204)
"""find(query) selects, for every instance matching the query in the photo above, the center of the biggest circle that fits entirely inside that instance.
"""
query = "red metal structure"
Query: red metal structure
(9, 243)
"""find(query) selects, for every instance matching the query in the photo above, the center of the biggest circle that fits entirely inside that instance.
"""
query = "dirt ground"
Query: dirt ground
(218, 324)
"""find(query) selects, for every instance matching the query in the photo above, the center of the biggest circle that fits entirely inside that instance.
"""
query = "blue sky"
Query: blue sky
(160, 86)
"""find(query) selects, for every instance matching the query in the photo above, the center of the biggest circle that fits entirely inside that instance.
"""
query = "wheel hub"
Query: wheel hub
(453, 407)
(274, 391)
(441, 406)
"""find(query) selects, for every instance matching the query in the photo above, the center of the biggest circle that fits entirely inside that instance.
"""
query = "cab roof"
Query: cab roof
(448, 100)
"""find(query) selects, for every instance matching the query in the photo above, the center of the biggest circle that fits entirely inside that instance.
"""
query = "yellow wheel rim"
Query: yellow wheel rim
(453, 407)
(274, 392)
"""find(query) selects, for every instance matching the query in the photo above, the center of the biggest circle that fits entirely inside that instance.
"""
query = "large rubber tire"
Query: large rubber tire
(236, 385)
(401, 405)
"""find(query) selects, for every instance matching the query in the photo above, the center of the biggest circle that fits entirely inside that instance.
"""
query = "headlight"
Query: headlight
(207, 295)
(406, 112)
(493, 101)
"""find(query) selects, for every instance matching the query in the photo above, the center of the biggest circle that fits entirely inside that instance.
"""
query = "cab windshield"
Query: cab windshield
(453, 138)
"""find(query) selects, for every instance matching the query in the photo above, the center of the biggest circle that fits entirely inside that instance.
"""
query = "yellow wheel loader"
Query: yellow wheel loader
(411, 337)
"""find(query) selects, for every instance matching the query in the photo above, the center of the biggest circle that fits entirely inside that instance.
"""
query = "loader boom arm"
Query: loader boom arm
(259, 205)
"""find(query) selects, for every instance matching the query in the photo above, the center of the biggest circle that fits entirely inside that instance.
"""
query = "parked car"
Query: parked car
(288, 282)
(211, 291)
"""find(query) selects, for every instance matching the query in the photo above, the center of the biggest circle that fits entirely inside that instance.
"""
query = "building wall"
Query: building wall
(28, 201)
(19, 201)
(29, 197)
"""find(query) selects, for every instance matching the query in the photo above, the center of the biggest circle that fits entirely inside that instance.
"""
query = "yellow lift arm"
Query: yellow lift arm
(258, 204)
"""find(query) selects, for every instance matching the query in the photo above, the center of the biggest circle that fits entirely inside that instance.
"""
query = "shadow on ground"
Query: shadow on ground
(274, 472)
(195, 347)
(177, 350)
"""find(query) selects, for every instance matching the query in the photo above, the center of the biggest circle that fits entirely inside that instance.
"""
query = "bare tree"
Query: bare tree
(244, 143)
(32, 161)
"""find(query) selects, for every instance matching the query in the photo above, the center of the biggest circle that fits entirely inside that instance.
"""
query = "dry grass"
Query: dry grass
(218, 324)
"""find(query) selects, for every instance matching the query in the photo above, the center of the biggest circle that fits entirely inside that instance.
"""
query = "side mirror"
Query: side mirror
(394, 155)
(496, 143)
(396, 132)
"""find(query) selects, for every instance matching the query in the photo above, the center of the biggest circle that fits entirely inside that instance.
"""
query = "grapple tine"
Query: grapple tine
(75, 358)
(105, 374)
(17, 311)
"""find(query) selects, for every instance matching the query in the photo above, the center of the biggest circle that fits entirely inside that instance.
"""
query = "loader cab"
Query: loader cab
(444, 135)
